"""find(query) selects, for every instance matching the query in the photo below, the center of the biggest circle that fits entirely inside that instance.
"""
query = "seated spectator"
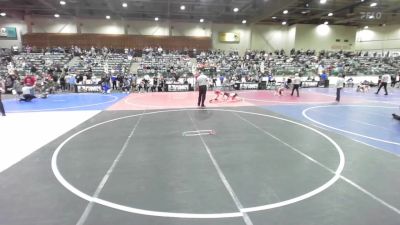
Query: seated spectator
(29, 80)
(350, 82)
(27, 94)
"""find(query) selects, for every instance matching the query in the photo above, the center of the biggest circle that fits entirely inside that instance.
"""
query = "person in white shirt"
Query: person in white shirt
(202, 81)
(339, 86)
(384, 81)
(296, 84)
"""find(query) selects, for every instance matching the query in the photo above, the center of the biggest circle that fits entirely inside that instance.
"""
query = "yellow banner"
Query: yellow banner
(229, 37)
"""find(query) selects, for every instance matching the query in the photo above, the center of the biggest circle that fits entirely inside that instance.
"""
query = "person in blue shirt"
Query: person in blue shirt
(221, 79)
(324, 79)
(323, 76)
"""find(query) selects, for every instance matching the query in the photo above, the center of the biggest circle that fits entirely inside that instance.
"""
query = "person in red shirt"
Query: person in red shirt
(29, 80)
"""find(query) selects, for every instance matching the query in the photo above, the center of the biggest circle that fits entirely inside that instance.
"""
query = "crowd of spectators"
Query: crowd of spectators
(75, 69)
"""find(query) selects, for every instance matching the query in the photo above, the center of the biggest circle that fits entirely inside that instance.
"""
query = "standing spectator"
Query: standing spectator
(221, 79)
(339, 86)
(214, 80)
(296, 84)
(383, 83)
(133, 83)
(324, 79)
(72, 83)
(120, 80)
(63, 83)
(2, 90)
(392, 80)
(202, 81)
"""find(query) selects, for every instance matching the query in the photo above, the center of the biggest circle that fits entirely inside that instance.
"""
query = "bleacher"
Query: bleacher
(24, 61)
(164, 64)
(100, 64)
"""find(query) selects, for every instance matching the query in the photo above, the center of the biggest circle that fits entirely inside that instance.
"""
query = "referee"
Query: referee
(384, 82)
(339, 86)
(202, 81)
(296, 84)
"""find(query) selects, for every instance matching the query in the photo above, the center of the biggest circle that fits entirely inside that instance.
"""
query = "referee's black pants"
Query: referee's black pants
(384, 85)
(338, 94)
(296, 87)
(202, 95)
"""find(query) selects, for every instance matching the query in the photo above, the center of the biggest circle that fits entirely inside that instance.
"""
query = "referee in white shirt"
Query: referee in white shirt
(202, 81)
(296, 84)
(384, 82)
(339, 86)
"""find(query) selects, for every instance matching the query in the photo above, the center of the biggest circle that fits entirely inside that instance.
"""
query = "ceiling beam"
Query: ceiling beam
(269, 9)
(50, 7)
(111, 7)
(47, 4)
(324, 14)
(188, 3)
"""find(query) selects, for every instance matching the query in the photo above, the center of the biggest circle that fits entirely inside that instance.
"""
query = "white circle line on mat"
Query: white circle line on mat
(114, 98)
(197, 133)
(285, 102)
(346, 131)
(113, 205)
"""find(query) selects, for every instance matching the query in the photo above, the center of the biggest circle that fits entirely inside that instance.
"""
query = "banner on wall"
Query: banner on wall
(8, 33)
(229, 37)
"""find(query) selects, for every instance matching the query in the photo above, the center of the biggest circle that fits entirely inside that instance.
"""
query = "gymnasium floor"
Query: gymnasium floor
(156, 158)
